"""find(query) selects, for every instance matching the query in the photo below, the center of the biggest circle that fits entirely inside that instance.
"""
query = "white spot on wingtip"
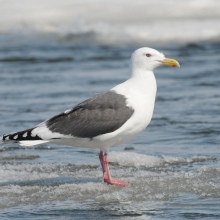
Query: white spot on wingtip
(7, 138)
(15, 137)
(33, 135)
(25, 134)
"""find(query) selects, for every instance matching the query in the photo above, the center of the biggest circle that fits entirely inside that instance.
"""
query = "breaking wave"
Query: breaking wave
(102, 23)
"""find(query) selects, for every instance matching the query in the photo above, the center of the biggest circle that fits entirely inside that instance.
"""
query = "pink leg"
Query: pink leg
(101, 161)
(106, 173)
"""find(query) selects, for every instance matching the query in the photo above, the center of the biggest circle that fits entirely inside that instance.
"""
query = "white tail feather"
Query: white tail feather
(32, 143)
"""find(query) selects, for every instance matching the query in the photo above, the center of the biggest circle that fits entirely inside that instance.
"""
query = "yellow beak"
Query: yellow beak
(170, 62)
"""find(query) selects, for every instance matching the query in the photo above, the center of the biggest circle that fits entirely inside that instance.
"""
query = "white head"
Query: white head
(147, 59)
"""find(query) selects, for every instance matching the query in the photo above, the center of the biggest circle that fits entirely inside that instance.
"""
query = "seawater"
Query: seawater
(173, 165)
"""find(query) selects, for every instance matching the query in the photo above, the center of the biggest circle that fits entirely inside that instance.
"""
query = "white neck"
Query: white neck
(141, 74)
(141, 82)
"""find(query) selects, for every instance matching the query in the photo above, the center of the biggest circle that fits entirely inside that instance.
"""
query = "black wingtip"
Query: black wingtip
(21, 136)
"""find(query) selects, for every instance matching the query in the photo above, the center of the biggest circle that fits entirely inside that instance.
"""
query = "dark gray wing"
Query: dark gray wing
(102, 114)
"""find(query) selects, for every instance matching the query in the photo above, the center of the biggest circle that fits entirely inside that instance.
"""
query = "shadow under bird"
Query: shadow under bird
(108, 119)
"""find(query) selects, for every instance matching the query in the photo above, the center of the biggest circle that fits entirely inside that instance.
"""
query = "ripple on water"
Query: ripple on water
(7, 156)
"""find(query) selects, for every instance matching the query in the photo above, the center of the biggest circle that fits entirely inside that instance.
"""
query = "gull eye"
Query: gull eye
(148, 55)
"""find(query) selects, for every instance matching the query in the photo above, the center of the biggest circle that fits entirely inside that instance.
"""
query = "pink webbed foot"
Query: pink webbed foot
(106, 173)
(117, 182)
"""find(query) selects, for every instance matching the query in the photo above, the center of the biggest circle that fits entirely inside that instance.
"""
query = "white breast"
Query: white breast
(140, 93)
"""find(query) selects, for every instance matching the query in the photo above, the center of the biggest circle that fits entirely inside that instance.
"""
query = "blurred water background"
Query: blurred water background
(55, 54)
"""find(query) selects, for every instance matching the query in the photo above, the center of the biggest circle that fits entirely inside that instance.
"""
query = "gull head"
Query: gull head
(148, 59)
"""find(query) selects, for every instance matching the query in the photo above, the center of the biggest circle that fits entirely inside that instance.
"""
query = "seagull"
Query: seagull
(109, 119)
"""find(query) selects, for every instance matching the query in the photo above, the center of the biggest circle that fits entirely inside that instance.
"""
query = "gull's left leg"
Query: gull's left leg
(101, 161)
(106, 173)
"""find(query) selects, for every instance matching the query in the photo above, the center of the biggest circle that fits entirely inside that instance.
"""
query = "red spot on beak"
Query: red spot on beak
(173, 65)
